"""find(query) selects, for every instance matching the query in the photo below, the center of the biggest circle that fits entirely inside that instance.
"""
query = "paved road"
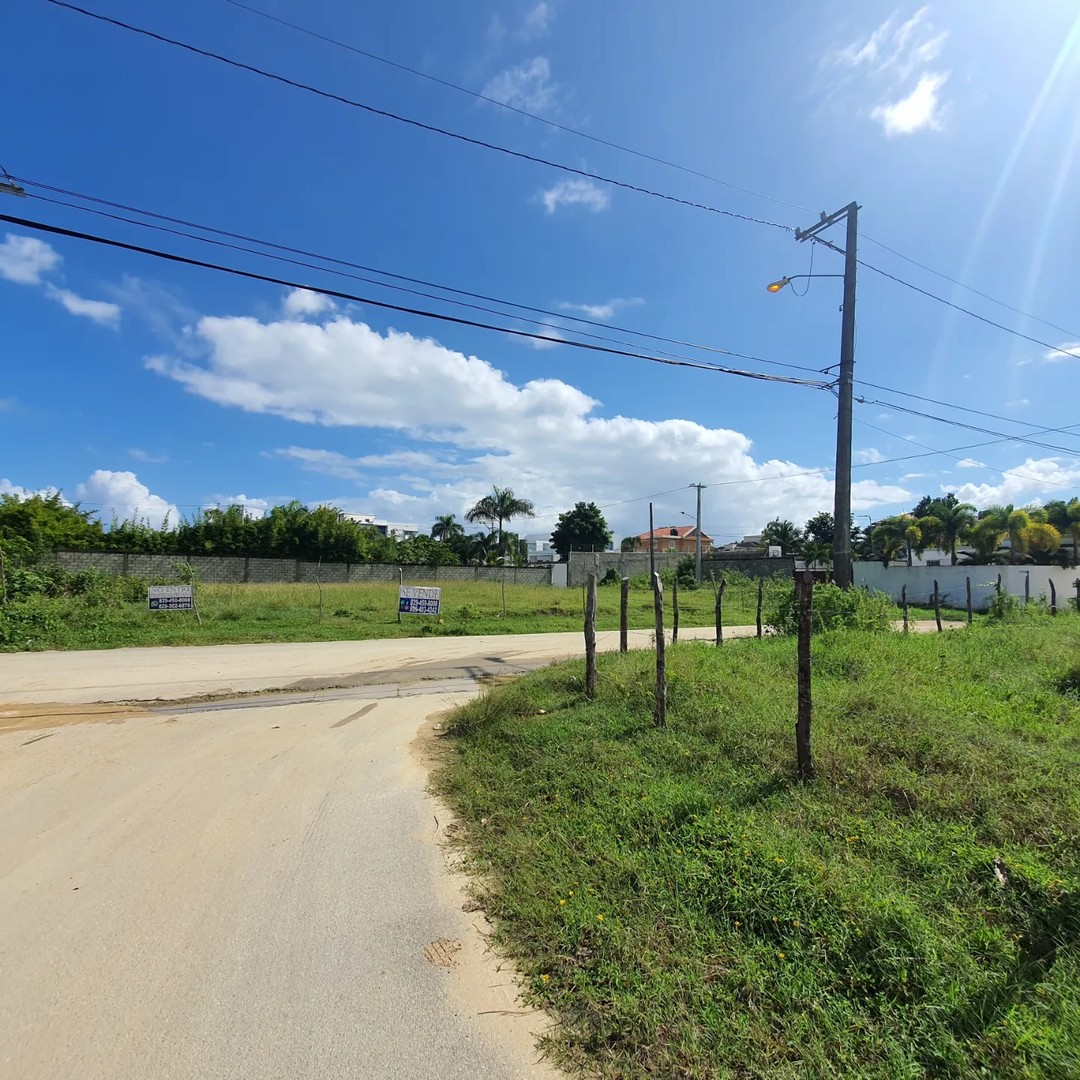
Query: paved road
(236, 893)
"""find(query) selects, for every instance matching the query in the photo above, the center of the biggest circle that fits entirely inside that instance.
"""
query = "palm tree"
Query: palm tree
(781, 534)
(479, 546)
(893, 535)
(952, 519)
(501, 505)
(1065, 517)
(817, 551)
(446, 527)
(985, 536)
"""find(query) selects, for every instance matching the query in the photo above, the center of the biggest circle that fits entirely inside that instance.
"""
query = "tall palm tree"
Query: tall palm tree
(1065, 517)
(817, 552)
(952, 519)
(893, 535)
(985, 536)
(501, 505)
(446, 527)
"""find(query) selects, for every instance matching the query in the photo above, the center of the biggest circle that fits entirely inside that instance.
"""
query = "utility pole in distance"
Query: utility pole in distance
(697, 544)
(845, 389)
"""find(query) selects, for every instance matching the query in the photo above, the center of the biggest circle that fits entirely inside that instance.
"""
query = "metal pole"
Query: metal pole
(652, 547)
(845, 392)
(697, 542)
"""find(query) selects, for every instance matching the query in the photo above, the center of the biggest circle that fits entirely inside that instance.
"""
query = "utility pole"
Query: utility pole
(697, 544)
(845, 388)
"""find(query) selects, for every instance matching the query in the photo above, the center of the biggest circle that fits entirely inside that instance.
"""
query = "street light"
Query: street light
(845, 381)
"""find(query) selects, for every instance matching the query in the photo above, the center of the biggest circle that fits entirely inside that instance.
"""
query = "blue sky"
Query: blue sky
(134, 384)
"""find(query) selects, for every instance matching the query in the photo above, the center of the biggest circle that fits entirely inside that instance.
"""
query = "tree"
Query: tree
(893, 535)
(952, 518)
(817, 552)
(820, 529)
(1065, 517)
(46, 523)
(923, 507)
(629, 543)
(984, 537)
(501, 505)
(581, 529)
(782, 534)
(446, 528)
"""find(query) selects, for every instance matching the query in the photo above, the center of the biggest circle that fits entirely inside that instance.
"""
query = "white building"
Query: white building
(395, 529)
(541, 551)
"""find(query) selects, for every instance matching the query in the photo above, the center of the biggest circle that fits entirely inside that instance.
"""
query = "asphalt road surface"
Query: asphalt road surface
(253, 891)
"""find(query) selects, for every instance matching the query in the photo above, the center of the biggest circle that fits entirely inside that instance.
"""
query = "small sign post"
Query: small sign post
(170, 597)
(419, 600)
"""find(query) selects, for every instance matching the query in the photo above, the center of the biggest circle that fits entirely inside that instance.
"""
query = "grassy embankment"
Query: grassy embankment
(684, 908)
(113, 613)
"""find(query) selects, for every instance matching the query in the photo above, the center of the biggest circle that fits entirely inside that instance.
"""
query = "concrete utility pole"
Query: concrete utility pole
(845, 389)
(697, 544)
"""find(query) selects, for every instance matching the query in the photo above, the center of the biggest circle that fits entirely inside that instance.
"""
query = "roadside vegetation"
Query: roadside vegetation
(49, 608)
(683, 907)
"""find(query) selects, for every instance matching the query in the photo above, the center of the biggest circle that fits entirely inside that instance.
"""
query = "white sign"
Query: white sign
(170, 597)
(775, 552)
(417, 600)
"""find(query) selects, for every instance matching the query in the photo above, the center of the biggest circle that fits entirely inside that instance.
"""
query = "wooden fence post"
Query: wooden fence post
(804, 595)
(590, 639)
(968, 580)
(624, 614)
(674, 610)
(720, 612)
(1076, 583)
(937, 606)
(997, 587)
(760, 591)
(903, 602)
(660, 711)
(400, 581)
(1027, 586)
(1053, 598)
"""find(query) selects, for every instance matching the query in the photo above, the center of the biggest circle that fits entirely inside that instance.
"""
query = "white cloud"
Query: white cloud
(536, 22)
(8, 488)
(23, 259)
(914, 476)
(147, 456)
(1017, 403)
(550, 337)
(1067, 350)
(869, 456)
(474, 427)
(100, 311)
(605, 310)
(1035, 476)
(920, 109)
(302, 302)
(527, 86)
(123, 496)
(252, 507)
(575, 193)
(969, 463)
(7, 404)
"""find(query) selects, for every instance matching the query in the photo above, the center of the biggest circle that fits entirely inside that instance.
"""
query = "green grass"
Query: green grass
(255, 613)
(683, 907)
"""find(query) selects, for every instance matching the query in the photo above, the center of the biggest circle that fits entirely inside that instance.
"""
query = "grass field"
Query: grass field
(684, 908)
(102, 619)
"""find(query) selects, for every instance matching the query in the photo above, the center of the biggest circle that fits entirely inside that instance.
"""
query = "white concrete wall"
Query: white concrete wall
(951, 582)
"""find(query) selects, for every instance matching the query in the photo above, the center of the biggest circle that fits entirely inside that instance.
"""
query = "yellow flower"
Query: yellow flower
(795, 923)
(737, 923)
(562, 902)
(781, 955)
(545, 978)
(571, 892)
(599, 918)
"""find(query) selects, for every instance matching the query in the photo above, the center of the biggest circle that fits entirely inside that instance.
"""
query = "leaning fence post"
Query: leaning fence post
(624, 614)
(590, 639)
(804, 596)
(1053, 598)
(903, 602)
(720, 612)
(997, 587)
(660, 711)
(760, 590)
(937, 606)
(968, 580)
(400, 583)
(674, 610)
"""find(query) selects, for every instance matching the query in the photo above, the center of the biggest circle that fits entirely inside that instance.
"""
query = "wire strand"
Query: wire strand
(421, 125)
(56, 230)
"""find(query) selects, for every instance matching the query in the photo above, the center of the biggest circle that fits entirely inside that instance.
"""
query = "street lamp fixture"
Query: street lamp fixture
(776, 286)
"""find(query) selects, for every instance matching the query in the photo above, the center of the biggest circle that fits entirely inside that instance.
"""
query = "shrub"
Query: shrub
(836, 609)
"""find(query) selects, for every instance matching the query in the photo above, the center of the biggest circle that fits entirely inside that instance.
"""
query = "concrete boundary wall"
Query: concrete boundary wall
(239, 570)
(633, 563)
(952, 582)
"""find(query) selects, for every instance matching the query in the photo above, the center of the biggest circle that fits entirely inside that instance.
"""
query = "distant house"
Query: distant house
(678, 538)
(395, 529)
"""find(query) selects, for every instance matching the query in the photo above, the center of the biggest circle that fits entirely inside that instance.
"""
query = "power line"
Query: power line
(566, 128)
(441, 317)
(386, 114)
(386, 273)
(644, 155)
(955, 307)
(956, 282)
